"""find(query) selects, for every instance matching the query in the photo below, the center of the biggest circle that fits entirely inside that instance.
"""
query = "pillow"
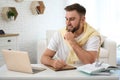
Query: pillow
(103, 52)
(102, 39)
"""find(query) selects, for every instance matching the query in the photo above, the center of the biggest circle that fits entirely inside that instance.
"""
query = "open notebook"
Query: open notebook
(92, 69)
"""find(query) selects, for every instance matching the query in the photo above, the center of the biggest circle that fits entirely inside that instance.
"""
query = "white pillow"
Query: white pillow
(102, 39)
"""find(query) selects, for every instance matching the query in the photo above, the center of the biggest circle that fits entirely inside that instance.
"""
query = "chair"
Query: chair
(107, 50)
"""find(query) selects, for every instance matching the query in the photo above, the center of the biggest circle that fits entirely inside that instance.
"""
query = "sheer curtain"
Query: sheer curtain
(104, 15)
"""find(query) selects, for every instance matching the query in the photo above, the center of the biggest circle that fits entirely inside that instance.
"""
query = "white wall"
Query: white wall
(32, 27)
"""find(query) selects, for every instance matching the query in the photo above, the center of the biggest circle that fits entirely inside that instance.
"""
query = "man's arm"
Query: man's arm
(47, 59)
(84, 55)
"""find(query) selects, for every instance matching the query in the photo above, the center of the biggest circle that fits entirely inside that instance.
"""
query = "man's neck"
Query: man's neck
(79, 31)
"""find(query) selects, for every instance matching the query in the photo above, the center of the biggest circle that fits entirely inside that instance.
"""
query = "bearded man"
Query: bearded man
(77, 43)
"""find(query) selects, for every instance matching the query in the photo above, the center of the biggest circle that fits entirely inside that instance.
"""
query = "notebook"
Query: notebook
(19, 61)
(95, 70)
(67, 67)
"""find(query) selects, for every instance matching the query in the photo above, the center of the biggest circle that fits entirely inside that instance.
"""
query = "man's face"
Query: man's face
(72, 21)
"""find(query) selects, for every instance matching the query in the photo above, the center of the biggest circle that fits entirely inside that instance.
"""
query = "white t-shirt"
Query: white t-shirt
(62, 50)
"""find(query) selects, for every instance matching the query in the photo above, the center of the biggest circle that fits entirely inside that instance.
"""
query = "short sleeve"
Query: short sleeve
(93, 44)
(54, 42)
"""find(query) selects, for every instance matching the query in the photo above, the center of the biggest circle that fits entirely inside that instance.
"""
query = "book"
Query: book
(67, 67)
(93, 69)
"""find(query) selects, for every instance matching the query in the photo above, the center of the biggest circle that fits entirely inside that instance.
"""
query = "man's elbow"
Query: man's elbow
(92, 60)
(42, 59)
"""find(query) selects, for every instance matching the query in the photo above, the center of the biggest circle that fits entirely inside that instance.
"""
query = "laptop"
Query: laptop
(19, 61)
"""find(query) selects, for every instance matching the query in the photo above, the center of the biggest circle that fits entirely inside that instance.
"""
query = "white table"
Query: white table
(52, 75)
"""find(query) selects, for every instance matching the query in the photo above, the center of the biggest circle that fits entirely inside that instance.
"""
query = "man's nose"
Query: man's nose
(68, 22)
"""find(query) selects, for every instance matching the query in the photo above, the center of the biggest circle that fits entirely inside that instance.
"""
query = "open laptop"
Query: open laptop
(19, 61)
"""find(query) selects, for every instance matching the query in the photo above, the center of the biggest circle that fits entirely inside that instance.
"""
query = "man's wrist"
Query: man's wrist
(72, 43)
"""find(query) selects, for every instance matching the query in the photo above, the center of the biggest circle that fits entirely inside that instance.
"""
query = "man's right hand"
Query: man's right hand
(58, 64)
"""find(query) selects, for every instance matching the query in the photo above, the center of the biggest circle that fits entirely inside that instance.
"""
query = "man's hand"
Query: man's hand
(58, 64)
(69, 36)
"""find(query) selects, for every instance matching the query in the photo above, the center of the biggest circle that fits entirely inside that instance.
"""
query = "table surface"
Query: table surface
(49, 74)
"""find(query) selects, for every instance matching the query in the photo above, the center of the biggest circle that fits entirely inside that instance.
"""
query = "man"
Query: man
(78, 43)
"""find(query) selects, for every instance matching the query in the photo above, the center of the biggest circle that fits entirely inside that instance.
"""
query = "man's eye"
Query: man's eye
(72, 19)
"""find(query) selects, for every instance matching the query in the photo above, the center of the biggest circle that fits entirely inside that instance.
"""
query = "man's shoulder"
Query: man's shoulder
(94, 38)
(56, 34)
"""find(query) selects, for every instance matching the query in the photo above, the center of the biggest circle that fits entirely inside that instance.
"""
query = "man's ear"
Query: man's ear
(83, 19)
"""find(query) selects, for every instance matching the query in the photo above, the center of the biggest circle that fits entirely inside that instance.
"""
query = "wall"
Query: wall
(32, 27)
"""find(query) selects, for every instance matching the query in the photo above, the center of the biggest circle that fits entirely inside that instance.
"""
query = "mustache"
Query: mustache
(73, 30)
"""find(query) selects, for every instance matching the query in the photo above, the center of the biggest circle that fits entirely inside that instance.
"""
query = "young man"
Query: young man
(77, 43)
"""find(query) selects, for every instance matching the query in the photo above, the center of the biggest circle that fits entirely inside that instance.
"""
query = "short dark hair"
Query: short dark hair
(79, 8)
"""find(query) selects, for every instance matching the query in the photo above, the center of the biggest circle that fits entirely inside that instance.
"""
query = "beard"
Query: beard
(73, 29)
